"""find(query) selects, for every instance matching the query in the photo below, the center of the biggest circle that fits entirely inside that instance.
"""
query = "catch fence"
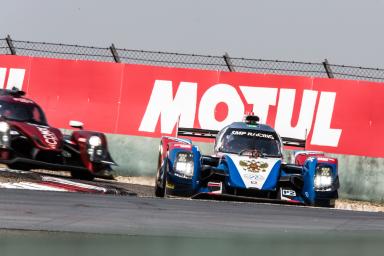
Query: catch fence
(169, 59)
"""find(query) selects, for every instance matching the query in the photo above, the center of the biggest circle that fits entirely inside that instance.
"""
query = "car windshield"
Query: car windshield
(22, 111)
(238, 141)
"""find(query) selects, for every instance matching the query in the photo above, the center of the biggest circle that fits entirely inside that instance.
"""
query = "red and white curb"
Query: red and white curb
(48, 183)
(55, 184)
(30, 186)
(71, 186)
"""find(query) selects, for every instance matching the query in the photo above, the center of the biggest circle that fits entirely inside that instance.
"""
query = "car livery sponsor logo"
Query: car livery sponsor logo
(252, 177)
(49, 137)
(253, 134)
(179, 145)
(288, 192)
(326, 159)
(253, 165)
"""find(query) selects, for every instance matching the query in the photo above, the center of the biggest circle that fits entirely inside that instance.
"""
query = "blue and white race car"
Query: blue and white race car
(247, 165)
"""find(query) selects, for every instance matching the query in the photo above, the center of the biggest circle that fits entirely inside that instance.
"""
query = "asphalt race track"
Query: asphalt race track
(105, 217)
(131, 215)
(50, 223)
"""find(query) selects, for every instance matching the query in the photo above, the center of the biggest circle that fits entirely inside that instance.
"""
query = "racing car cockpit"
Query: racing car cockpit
(22, 110)
(248, 142)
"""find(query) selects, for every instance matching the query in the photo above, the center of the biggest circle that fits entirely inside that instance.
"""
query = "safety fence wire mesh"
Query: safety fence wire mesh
(181, 60)
(4, 49)
(172, 59)
(357, 73)
(278, 67)
(62, 51)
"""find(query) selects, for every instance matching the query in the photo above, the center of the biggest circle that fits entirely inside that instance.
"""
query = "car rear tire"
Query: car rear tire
(82, 175)
(160, 183)
(19, 167)
(159, 191)
(328, 203)
(106, 173)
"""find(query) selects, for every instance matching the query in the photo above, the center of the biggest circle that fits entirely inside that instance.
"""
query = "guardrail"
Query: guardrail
(223, 63)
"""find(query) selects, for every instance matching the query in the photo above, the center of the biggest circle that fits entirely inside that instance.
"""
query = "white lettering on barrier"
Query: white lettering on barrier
(184, 104)
(285, 112)
(15, 78)
(323, 134)
(162, 104)
(261, 98)
(215, 95)
(2, 77)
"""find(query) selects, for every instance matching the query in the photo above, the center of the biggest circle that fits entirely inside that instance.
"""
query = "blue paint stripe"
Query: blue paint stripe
(271, 181)
(234, 177)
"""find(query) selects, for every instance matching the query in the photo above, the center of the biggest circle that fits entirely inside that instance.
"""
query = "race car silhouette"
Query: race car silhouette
(247, 165)
(27, 141)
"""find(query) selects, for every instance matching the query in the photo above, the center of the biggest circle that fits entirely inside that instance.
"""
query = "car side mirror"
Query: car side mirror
(76, 124)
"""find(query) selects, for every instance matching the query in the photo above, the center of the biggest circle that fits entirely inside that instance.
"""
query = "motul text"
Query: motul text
(14, 77)
(166, 108)
(338, 116)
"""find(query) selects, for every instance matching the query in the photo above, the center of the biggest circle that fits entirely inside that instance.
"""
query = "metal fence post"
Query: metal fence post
(328, 69)
(114, 53)
(228, 61)
(10, 45)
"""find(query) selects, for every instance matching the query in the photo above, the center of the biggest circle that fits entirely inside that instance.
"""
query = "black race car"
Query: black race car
(27, 141)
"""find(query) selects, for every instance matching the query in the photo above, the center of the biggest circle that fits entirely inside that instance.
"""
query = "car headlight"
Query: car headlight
(323, 177)
(184, 165)
(4, 127)
(94, 141)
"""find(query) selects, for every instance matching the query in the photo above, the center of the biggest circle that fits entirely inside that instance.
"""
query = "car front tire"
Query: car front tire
(82, 175)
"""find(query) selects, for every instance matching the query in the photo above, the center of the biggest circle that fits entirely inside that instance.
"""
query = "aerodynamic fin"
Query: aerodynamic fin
(193, 132)
(292, 142)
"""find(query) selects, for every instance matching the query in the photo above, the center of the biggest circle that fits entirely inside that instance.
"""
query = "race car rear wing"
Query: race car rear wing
(292, 142)
(193, 132)
(205, 133)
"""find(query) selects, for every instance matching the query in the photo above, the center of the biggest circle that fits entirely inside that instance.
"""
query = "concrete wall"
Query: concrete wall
(361, 178)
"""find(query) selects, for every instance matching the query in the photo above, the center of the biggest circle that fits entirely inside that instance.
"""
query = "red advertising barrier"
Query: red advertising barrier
(337, 116)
